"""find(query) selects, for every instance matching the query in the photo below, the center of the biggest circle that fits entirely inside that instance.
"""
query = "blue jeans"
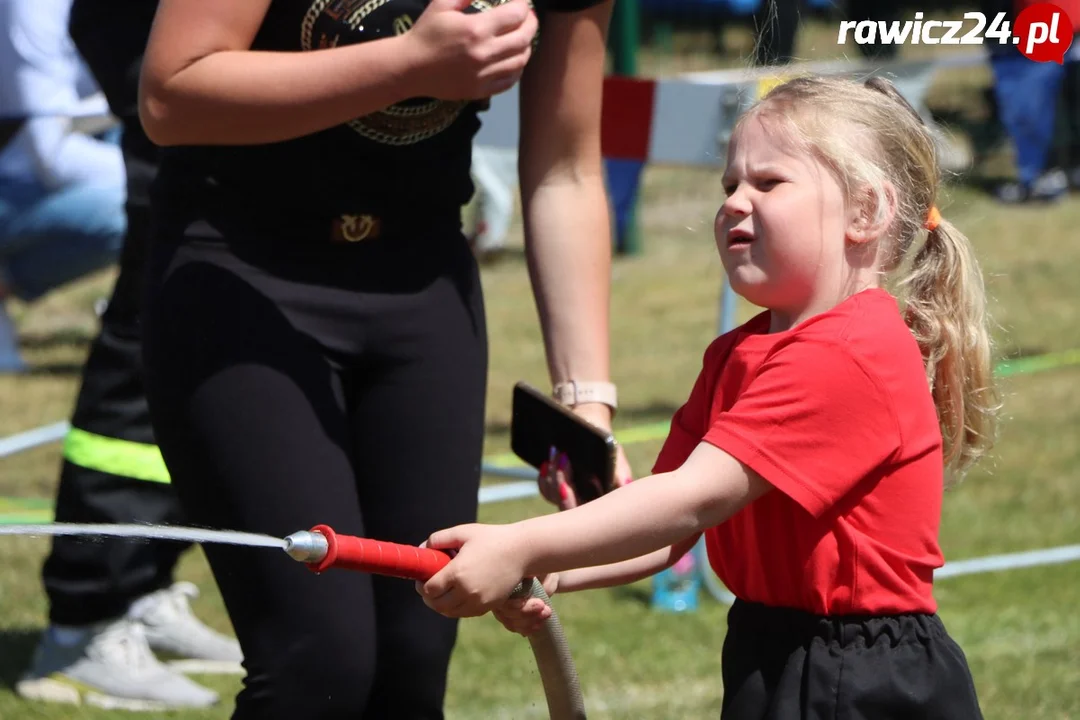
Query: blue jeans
(49, 238)
(1027, 95)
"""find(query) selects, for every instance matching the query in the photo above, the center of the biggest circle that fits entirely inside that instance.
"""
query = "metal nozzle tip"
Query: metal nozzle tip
(306, 546)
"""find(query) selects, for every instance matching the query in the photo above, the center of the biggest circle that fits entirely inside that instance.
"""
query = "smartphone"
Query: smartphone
(539, 422)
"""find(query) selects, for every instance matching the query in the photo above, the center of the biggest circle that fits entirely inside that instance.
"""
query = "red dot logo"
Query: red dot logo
(1043, 32)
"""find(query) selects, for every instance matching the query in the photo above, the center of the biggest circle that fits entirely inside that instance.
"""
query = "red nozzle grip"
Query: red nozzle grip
(349, 552)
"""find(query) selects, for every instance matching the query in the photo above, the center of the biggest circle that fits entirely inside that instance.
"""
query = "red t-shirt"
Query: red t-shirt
(836, 414)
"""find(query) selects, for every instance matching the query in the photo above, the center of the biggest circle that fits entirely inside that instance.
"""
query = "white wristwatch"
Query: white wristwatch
(576, 392)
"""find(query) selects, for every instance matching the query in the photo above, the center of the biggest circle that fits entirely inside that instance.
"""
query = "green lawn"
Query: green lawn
(1019, 628)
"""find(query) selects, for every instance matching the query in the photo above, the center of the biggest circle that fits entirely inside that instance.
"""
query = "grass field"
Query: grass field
(1019, 628)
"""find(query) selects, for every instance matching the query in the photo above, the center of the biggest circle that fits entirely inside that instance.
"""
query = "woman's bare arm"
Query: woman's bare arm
(565, 206)
(202, 84)
(567, 228)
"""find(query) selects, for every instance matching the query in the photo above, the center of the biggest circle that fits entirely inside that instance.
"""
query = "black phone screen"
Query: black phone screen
(538, 423)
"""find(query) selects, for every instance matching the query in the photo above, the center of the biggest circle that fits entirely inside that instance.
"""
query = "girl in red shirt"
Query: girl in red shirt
(816, 443)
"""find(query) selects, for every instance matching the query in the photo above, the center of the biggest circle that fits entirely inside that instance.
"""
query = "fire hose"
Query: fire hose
(320, 548)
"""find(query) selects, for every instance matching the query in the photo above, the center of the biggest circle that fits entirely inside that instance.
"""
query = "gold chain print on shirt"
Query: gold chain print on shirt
(329, 23)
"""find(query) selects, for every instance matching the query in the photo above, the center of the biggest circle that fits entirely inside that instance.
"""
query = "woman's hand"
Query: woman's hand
(467, 56)
(488, 564)
(555, 474)
(527, 615)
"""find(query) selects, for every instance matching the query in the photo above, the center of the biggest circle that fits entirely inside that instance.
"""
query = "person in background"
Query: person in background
(494, 171)
(113, 603)
(1034, 99)
(61, 172)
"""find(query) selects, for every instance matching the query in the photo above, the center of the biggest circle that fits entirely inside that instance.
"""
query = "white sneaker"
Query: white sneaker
(111, 666)
(173, 631)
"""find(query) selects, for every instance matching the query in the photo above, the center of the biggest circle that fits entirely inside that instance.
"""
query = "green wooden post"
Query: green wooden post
(624, 36)
(624, 40)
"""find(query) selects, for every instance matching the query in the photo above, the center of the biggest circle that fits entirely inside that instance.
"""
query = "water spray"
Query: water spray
(321, 549)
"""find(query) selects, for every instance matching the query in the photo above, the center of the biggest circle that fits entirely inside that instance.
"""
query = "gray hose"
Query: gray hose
(553, 660)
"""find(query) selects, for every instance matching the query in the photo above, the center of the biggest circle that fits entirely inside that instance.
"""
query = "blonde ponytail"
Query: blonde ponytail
(946, 311)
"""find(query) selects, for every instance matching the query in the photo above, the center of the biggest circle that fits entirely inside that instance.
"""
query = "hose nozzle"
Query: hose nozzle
(320, 548)
(307, 546)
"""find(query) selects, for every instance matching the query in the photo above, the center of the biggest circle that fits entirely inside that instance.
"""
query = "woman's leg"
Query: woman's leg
(250, 419)
(419, 428)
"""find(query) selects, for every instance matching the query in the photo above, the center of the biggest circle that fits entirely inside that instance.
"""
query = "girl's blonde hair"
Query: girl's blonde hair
(881, 152)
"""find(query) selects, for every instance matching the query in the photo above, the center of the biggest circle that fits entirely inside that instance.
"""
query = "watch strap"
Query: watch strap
(576, 392)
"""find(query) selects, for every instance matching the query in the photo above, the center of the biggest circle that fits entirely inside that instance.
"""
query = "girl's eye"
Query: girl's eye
(730, 189)
(768, 183)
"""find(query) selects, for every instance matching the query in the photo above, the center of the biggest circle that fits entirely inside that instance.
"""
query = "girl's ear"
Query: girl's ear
(871, 214)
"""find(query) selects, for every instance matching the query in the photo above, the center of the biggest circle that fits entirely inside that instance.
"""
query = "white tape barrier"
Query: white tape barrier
(21, 442)
(974, 566)
(509, 491)
(1011, 561)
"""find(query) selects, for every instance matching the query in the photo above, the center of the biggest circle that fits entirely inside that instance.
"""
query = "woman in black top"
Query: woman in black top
(315, 346)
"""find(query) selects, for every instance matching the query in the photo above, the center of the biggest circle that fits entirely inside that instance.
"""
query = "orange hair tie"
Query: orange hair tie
(933, 219)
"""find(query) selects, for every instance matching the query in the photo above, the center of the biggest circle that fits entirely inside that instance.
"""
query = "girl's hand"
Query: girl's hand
(467, 56)
(527, 615)
(488, 565)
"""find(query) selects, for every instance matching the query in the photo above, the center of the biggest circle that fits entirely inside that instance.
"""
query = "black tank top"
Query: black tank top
(412, 155)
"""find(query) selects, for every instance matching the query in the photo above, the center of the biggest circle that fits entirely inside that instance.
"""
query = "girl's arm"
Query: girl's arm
(202, 84)
(625, 572)
(635, 520)
(564, 201)
(642, 517)
(527, 615)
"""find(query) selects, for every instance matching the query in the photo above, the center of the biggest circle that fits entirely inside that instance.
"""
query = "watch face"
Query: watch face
(330, 23)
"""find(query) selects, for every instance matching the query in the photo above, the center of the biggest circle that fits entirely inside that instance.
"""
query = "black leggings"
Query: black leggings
(294, 382)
